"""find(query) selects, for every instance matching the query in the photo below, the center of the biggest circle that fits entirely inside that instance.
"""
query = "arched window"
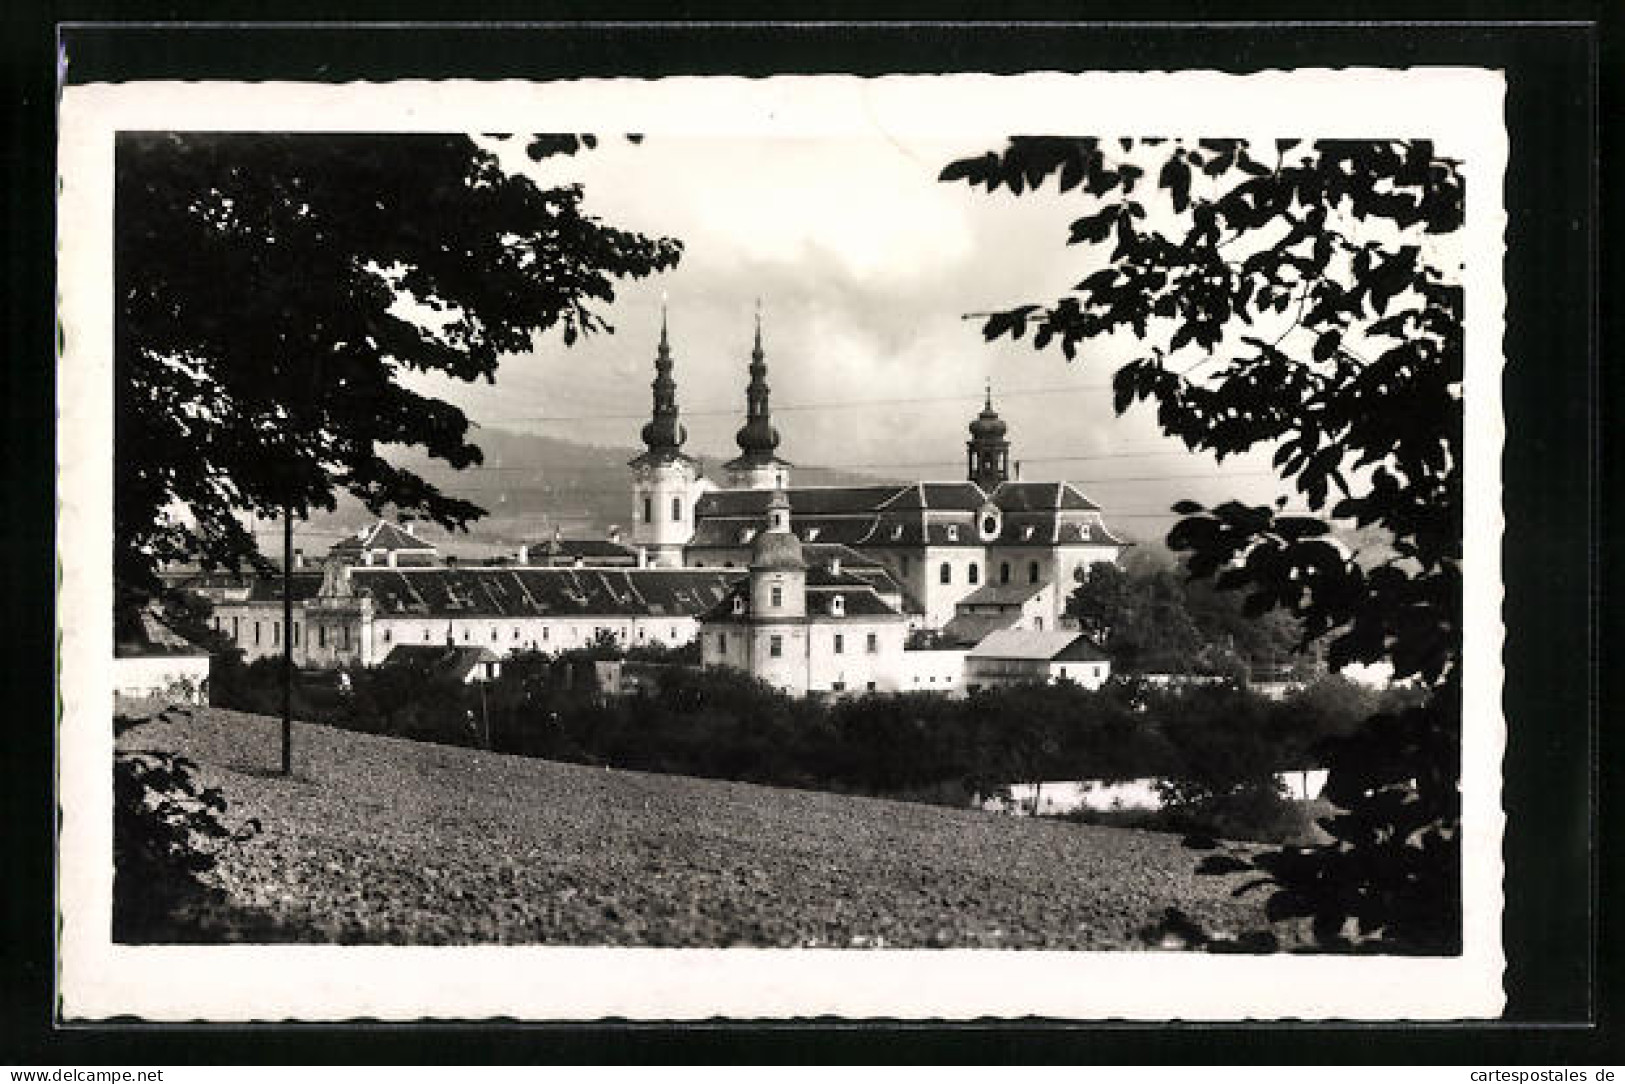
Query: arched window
(1004, 571)
(1032, 571)
(946, 573)
(972, 573)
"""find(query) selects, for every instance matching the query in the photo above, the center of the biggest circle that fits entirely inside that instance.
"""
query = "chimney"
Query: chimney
(298, 558)
(614, 533)
(524, 555)
(391, 559)
(835, 566)
(580, 563)
(643, 556)
(1018, 470)
(366, 557)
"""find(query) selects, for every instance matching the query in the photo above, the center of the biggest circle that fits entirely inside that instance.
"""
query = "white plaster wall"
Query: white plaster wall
(855, 666)
(934, 672)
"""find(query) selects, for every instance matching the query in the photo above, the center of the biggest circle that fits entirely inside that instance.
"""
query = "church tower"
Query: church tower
(758, 466)
(987, 453)
(663, 478)
(778, 601)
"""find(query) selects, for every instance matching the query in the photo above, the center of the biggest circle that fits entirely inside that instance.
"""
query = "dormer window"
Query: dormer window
(812, 533)
(747, 533)
(1026, 532)
(953, 532)
(897, 532)
(739, 605)
(837, 606)
(1083, 531)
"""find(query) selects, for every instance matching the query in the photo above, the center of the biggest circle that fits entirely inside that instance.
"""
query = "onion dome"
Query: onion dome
(777, 548)
(987, 425)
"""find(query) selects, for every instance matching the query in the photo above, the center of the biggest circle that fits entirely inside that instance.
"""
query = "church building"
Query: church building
(942, 541)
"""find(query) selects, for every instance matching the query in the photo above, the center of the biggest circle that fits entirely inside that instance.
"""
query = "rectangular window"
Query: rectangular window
(386, 636)
(321, 635)
(840, 644)
(722, 641)
(778, 596)
(676, 509)
(546, 633)
(874, 643)
(648, 510)
(870, 686)
(236, 632)
(276, 632)
(346, 637)
(256, 632)
(296, 634)
(775, 646)
(838, 686)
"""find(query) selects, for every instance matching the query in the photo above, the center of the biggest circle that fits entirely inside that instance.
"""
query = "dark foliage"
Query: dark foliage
(1152, 619)
(167, 827)
(261, 335)
(1302, 297)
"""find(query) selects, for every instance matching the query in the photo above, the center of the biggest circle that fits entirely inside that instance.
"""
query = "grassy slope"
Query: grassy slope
(377, 839)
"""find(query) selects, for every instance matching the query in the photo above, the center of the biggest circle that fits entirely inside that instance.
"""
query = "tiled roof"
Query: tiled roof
(968, 630)
(1002, 594)
(438, 659)
(537, 592)
(269, 588)
(859, 600)
(916, 514)
(1058, 645)
(585, 548)
(1037, 496)
(381, 536)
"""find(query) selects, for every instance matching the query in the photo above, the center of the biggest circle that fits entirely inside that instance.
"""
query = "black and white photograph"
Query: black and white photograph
(936, 546)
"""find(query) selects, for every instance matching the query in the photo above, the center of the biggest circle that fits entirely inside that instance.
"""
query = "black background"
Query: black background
(1564, 75)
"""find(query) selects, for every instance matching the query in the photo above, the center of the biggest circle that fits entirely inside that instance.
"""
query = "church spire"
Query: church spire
(757, 439)
(664, 434)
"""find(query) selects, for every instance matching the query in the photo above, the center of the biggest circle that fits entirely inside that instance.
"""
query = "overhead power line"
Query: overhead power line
(738, 409)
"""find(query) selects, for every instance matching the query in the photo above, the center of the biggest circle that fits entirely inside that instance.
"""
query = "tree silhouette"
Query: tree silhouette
(1305, 298)
(274, 289)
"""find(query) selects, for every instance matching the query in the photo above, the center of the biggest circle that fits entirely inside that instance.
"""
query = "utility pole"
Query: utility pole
(287, 640)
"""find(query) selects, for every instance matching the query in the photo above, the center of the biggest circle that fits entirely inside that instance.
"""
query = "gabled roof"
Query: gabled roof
(1057, 645)
(968, 630)
(439, 660)
(381, 536)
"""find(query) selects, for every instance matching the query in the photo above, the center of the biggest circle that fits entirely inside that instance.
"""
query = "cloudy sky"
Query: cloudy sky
(866, 267)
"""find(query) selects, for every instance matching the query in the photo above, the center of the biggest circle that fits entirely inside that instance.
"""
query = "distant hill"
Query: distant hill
(528, 485)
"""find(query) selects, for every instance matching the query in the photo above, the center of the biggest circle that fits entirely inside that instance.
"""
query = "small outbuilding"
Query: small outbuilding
(1025, 656)
(463, 664)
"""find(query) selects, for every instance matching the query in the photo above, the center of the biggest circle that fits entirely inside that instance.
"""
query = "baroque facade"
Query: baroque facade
(812, 588)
